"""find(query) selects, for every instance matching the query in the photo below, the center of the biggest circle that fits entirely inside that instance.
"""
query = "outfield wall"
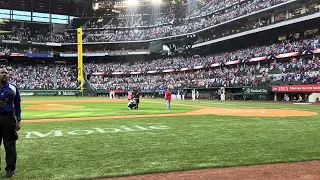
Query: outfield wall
(261, 93)
(237, 93)
(51, 93)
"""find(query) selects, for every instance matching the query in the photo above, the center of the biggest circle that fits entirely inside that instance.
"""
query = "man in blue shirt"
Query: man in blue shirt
(10, 117)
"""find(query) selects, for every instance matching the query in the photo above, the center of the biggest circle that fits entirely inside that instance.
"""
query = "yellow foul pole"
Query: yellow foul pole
(80, 59)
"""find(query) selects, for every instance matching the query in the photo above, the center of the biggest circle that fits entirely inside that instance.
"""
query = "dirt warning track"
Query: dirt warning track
(309, 170)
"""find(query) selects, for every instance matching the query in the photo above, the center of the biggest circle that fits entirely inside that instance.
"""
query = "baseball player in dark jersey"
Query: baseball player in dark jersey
(136, 96)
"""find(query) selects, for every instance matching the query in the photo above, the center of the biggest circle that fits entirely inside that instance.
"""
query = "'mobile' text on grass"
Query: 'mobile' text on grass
(57, 133)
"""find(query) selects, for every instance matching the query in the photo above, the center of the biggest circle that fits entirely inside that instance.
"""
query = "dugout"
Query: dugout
(296, 93)
(257, 93)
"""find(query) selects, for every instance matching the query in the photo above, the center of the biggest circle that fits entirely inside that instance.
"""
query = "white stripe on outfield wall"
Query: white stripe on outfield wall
(104, 130)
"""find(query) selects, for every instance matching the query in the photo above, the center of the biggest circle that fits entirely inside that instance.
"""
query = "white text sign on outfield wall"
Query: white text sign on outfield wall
(105, 130)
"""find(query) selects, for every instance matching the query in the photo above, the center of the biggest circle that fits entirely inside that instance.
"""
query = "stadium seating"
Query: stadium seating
(254, 65)
(298, 69)
(113, 29)
(42, 76)
(237, 68)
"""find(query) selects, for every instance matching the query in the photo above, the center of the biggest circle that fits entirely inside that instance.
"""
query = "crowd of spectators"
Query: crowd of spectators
(297, 64)
(190, 62)
(242, 75)
(35, 34)
(48, 50)
(41, 76)
(194, 10)
(192, 25)
(160, 64)
(211, 7)
(298, 69)
(215, 12)
(283, 47)
(66, 77)
(119, 51)
(21, 75)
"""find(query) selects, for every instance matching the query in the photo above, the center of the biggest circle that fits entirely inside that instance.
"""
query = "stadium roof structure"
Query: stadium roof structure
(78, 8)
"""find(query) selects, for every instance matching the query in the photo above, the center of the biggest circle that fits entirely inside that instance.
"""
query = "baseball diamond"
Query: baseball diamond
(203, 134)
(160, 89)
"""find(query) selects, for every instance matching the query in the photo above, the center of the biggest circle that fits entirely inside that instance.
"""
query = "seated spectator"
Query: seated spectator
(286, 98)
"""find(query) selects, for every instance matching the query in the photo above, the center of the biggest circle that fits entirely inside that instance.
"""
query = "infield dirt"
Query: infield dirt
(281, 171)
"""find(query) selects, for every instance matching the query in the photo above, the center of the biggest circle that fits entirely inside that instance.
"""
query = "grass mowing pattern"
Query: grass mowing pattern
(190, 143)
(100, 109)
(193, 142)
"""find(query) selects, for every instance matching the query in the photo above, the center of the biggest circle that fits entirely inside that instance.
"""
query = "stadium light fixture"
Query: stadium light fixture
(95, 6)
(132, 2)
(156, 2)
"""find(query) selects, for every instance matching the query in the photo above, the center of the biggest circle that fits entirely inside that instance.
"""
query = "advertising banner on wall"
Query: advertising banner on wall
(17, 54)
(256, 90)
(47, 93)
(40, 55)
(296, 88)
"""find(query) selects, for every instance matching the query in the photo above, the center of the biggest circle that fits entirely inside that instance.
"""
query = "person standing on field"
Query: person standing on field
(136, 97)
(168, 99)
(129, 95)
(197, 95)
(10, 117)
(193, 94)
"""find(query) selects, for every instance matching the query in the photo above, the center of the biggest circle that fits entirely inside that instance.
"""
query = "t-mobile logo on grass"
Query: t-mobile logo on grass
(123, 129)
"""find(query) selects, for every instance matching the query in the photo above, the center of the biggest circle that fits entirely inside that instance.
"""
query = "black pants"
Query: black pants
(137, 103)
(9, 136)
(131, 106)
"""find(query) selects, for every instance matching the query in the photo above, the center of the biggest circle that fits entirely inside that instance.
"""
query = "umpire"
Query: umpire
(10, 117)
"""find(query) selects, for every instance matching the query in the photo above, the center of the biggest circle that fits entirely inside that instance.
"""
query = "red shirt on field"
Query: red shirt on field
(168, 95)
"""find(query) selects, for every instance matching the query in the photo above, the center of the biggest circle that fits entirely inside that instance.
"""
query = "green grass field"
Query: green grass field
(119, 147)
(93, 109)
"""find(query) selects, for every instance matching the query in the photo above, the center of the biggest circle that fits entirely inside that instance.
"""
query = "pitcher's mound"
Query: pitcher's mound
(53, 106)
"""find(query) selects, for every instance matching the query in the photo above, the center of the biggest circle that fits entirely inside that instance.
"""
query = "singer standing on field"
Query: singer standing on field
(168, 99)
(10, 117)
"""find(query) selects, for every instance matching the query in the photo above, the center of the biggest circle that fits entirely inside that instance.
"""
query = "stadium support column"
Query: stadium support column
(80, 60)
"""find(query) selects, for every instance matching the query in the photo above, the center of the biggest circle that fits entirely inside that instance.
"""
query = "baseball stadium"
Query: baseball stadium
(163, 89)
